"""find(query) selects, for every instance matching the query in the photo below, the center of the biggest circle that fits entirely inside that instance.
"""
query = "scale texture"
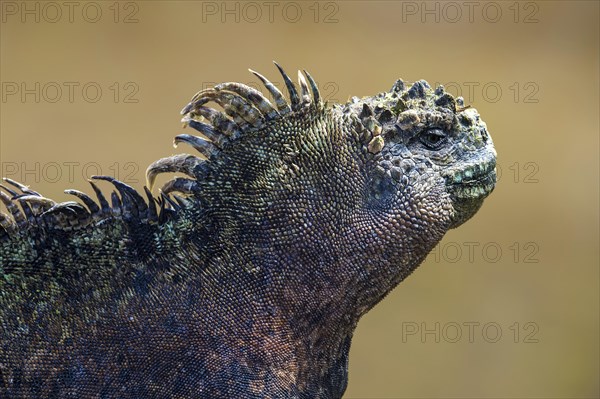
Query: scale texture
(246, 277)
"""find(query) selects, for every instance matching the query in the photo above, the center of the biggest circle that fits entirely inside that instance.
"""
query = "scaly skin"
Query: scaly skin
(250, 282)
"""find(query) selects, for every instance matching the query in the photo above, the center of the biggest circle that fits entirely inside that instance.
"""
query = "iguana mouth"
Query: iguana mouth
(476, 180)
(478, 187)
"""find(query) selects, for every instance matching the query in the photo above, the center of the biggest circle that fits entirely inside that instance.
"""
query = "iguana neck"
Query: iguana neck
(292, 306)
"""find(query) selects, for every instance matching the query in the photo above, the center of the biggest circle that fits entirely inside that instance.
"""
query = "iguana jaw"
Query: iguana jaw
(469, 184)
(473, 180)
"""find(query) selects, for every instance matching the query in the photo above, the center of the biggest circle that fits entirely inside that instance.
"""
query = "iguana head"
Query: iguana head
(426, 141)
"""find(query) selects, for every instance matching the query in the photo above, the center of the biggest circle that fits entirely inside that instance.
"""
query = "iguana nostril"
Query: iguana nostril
(484, 135)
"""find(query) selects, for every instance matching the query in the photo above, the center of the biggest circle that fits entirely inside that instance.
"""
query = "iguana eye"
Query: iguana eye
(433, 138)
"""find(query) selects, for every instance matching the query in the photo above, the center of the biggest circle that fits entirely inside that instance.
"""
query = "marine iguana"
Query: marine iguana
(247, 277)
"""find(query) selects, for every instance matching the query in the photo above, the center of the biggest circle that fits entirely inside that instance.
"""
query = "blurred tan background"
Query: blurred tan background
(507, 306)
